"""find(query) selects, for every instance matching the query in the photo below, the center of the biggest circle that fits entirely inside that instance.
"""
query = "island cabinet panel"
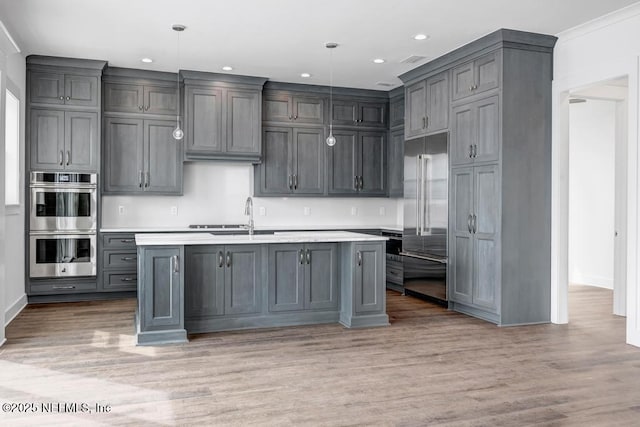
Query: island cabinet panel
(321, 276)
(369, 269)
(242, 279)
(204, 281)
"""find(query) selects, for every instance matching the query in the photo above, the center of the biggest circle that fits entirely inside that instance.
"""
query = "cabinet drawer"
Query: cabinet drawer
(127, 260)
(394, 273)
(62, 288)
(119, 281)
(118, 241)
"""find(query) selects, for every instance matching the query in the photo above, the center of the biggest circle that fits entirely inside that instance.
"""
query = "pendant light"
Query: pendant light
(331, 140)
(178, 133)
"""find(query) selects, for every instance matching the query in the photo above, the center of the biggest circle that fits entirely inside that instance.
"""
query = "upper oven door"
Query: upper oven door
(63, 209)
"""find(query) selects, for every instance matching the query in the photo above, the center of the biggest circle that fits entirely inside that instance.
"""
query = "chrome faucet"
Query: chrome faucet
(248, 210)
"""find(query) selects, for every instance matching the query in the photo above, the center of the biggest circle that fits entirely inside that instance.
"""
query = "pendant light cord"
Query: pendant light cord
(330, 91)
(178, 80)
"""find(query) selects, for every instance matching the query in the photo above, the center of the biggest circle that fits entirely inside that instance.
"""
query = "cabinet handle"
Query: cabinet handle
(295, 181)
(147, 179)
(127, 240)
(68, 98)
(126, 279)
(475, 223)
(146, 108)
(64, 287)
(355, 182)
(359, 254)
(127, 258)
(176, 264)
(475, 150)
(228, 259)
(308, 256)
(295, 117)
(290, 117)
(140, 107)
(140, 179)
(301, 253)
(424, 123)
(361, 186)
(470, 150)
(475, 87)
(61, 99)
(290, 182)
(469, 224)
(61, 156)
(220, 259)
(68, 157)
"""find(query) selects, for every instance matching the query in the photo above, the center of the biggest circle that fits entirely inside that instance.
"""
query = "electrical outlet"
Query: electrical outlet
(354, 211)
(306, 210)
(174, 210)
(262, 211)
(120, 210)
(382, 211)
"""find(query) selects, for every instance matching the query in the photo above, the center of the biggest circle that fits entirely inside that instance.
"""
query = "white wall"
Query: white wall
(215, 193)
(592, 138)
(603, 49)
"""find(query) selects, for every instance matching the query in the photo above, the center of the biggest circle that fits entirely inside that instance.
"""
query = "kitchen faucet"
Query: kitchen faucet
(248, 210)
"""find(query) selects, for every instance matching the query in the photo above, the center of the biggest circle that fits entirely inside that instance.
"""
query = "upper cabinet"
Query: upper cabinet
(396, 111)
(283, 107)
(477, 76)
(427, 106)
(223, 116)
(141, 98)
(349, 112)
(55, 88)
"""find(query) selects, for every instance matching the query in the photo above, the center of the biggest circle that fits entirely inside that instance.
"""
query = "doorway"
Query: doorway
(598, 121)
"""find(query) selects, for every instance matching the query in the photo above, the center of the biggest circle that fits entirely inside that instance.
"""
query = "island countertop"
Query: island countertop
(208, 238)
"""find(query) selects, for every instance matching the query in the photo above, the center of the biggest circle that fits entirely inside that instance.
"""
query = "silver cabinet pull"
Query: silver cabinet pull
(176, 264)
(140, 179)
(228, 259)
(61, 99)
(290, 182)
(61, 161)
(127, 258)
(220, 259)
(308, 256)
(424, 123)
(146, 108)
(301, 253)
(64, 287)
(140, 107)
(295, 117)
(470, 150)
(469, 224)
(295, 181)
(355, 182)
(290, 117)
(126, 279)
(147, 179)
(68, 98)
(68, 157)
(426, 119)
(475, 223)
(361, 183)
(359, 254)
(475, 150)
(127, 240)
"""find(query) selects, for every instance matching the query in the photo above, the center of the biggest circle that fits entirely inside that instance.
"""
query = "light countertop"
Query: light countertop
(208, 238)
(186, 229)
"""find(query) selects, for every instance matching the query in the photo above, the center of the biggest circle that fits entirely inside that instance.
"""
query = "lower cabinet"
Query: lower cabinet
(303, 277)
(119, 262)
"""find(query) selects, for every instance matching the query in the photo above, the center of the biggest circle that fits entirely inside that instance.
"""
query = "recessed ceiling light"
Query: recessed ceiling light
(305, 75)
(227, 68)
(379, 61)
(147, 60)
(421, 37)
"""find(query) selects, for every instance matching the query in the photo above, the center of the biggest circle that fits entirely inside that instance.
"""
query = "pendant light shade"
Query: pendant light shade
(331, 140)
(178, 133)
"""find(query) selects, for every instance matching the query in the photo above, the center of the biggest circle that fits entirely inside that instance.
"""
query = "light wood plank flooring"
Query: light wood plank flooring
(430, 367)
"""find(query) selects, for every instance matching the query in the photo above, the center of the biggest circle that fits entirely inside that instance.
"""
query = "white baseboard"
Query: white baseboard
(597, 281)
(15, 309)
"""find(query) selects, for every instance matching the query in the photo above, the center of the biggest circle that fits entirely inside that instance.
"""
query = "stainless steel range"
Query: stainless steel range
(63, 218)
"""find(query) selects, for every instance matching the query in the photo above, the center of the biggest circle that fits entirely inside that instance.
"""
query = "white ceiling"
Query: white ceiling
(280, 39)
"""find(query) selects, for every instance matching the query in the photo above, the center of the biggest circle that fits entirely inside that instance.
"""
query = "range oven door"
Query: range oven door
(63, 209)
(62, 255)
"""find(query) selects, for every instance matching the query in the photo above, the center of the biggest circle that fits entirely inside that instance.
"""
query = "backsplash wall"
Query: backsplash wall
(215, 193)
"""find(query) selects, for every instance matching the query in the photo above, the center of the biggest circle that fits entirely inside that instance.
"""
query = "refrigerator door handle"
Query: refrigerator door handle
(423, 215)
(418, 190)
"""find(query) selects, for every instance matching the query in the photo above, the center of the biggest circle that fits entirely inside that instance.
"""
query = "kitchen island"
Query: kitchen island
(203, 282)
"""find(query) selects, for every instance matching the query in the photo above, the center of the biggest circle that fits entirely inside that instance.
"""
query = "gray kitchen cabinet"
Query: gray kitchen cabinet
(119, 261)
(475, 132)
(369, 268)
(293, 162)
(396, 112)
(223, 116)
(204, 281)
(286, 107)
(461, 236)
(303, 277)
(60, 88)
(357, 163)
(141, 157)
(427, 106)
(348, 112)
(396, 163)
(477, 76)
(160, 295)
(135, 97)
(63, 140)
(243, 270)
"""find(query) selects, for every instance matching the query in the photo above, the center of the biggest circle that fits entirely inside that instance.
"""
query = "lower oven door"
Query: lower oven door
(62, 255)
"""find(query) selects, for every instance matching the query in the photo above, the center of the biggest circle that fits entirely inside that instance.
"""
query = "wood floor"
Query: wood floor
(430, 367)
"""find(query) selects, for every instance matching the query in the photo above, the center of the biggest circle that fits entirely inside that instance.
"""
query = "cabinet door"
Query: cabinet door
(125, 98)
(372, 114)
(203, 117)
(242, 279)
(47, 140)
(371, 159)
(486, 225)
(415, 110)
(277, 108)
(286, 277)
(462, 80)
(460, 236)
(275, 176)
(438, 102)
(162, 158)
(81, 90)
(343, 162)
(396, 163)
(46, 88)
(203, 281)
(344, 112)
(321, 276)
(463, 134)
(486, 70)
(160, 288)
(308, 161)
(369, 280)
(487, 119)
(123, 165)
(161, 100)
(81, 141)
(243, 122)
(308, 109)
(396, 112)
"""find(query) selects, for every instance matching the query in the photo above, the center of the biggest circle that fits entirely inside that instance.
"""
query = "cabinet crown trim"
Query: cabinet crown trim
(54, 61)
(118, 75)
(201, 77)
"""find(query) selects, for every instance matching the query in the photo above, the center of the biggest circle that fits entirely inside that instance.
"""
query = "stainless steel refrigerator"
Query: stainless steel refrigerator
(426, 203)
